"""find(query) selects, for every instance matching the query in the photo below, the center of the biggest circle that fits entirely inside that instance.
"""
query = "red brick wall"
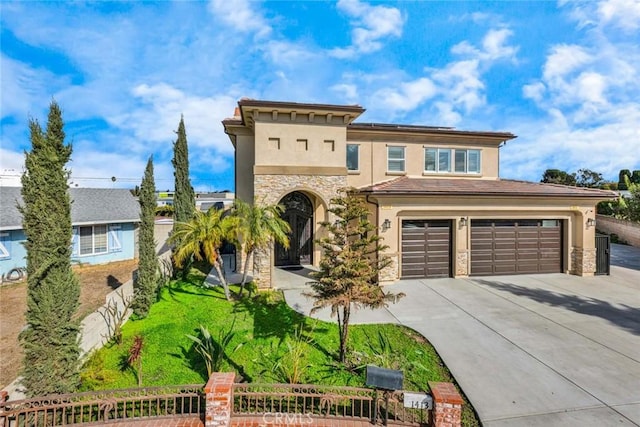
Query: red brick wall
(447, 405)
(219, 399)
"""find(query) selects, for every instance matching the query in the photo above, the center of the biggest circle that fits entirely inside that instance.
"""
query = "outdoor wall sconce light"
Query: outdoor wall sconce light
(463, 221)
(386, 225)
(591, 222)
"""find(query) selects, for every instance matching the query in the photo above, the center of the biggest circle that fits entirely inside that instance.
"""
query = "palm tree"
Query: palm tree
(202, 237)
(257, 227)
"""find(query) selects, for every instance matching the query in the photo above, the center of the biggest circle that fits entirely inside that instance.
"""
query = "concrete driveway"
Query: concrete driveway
(534, 350)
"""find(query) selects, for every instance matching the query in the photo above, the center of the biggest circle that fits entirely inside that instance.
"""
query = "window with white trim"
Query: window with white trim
(395, 159)
(93, 240)
(5, 246)
(353, 157)
(440, 160)
(437, 160)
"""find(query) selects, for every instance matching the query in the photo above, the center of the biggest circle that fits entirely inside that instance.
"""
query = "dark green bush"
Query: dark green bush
(166, 210)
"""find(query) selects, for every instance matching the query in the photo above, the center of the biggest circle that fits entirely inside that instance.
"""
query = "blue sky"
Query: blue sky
(564, 77)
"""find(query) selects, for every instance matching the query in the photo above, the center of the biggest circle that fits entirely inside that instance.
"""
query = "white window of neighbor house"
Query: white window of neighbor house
(93, 240)
(353, 157)
(395, 159)
(5, 246)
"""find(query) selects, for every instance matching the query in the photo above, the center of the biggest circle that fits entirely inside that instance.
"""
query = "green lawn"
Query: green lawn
(272, 343)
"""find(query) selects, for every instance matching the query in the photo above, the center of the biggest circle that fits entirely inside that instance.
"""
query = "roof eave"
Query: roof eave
(475, 193)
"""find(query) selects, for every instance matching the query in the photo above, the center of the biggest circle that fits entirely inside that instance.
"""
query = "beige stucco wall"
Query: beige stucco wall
(373, 157)
(289, 144)
(244, 161)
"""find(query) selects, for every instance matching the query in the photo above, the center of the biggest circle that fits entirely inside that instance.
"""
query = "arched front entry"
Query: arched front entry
(299, 214)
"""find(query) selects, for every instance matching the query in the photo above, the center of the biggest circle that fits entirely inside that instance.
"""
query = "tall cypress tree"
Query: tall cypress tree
(50, 342)
(147, 280)
(184, 201)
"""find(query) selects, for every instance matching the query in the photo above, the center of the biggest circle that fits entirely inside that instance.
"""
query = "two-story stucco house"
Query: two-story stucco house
(434, 193)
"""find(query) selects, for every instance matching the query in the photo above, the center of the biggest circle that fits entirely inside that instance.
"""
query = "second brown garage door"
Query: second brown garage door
(515, 246)
(426, 248)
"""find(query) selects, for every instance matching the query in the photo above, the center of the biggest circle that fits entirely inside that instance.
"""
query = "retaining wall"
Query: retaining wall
(627, 231)
(97, 328)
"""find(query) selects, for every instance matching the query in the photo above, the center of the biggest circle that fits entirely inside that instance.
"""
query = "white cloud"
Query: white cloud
(590, 91)
(24, 86)
(534, 91)
(156, 119)
(348, 92)
(370, 25)
(456, 89)
(240, 15)
(461, 84)
(624, 14)
(565, 59)
(407, 96)
(495, 45)
(556, 143)
(288, 54)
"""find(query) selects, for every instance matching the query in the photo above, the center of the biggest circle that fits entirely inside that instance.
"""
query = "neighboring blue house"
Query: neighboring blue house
(104, 222)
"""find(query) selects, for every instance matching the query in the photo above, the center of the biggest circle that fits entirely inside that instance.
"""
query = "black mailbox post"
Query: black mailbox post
(384, 379)
(387, 380)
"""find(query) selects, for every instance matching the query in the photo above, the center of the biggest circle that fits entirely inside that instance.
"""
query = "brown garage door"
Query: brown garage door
(515, 246)
(426, 248)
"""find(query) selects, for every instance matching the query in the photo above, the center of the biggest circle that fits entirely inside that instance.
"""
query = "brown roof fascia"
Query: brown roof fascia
(354, 109)
(484, 193)
(573, 192)
(399, 128)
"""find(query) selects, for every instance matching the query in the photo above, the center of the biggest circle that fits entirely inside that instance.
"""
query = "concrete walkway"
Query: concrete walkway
(534, 350)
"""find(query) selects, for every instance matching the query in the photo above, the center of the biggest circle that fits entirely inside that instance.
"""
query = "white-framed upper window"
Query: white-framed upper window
(93, 239)
(395, 159)
(353, 157)
(473, 161)
(437, 160)
(446, 160)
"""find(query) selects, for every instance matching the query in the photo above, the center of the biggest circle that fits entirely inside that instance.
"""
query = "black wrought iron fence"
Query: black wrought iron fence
(102, 406)
(315, 401)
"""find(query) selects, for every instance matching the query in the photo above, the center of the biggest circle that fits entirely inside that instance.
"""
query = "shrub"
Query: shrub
(95, 373)
(213, 351)
(166, 210)
(292, 365)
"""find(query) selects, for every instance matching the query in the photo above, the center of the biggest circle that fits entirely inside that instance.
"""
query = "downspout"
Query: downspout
(502, 144)
(377, 210)
(377, 220)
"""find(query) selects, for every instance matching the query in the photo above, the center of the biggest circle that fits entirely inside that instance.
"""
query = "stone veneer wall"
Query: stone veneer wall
(583, 261)
(269, 189)
(462, 264)
(390, 273)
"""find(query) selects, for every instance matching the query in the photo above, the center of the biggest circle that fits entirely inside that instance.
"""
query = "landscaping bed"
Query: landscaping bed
(267, 342)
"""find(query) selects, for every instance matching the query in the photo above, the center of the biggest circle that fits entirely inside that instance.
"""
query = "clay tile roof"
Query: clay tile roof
(502, 187)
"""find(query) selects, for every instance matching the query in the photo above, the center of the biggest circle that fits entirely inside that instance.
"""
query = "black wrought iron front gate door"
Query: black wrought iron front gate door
(299, 214)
